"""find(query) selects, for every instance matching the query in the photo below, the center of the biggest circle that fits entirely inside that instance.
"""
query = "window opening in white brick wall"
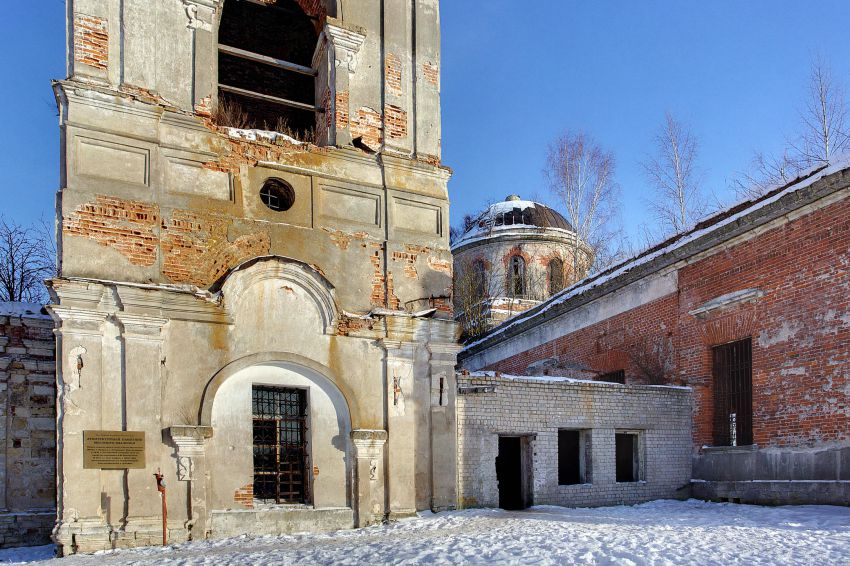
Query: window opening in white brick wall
(627, 457)
(573, 457)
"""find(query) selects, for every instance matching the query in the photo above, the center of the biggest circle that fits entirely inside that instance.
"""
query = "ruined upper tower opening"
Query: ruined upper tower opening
(266, 77)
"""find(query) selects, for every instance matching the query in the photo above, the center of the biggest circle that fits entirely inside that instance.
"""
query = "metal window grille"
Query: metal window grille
(280, 444)
(733, 393)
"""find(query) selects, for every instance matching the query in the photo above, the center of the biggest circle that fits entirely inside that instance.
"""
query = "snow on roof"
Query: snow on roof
(561, 379)
(19, 309)
(514, 216)
(258, 135)
(699, 230)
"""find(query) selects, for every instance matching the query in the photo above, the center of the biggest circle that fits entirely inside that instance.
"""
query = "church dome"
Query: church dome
(514, 215)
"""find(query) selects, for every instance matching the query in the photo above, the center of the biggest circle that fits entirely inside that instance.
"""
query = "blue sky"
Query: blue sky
(515, 75)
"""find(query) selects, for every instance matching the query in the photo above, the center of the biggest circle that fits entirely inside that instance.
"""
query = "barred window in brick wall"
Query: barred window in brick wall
(280, 444)
(733, 393)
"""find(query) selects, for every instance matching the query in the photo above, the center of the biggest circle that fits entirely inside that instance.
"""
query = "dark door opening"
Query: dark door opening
(626, 455)
(511, 472)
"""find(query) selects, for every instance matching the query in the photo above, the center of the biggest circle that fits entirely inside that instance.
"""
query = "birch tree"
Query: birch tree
(678, 200)
(824, 133)
(824, 119)
(581, 177)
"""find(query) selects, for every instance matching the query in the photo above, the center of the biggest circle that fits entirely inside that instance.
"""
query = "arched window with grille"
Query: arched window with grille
(556, 275)
(265, 75)
(516, 276)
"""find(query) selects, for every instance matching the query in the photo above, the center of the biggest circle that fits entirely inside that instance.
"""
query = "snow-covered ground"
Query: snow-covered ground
(661, 532)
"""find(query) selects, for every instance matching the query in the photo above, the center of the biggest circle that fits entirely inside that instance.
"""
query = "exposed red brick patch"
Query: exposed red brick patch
(314, 8)
(431, 72)
(124, 225)
(429, 159)
(409, 261)
(392, 74)
(342, 239)
(442, 265)
(341, 107)
(196, 249)
(245, 496)
(348, 325)
(91, 41)
(250, 152)
(396, 122)
(368, 124)
(383, 294)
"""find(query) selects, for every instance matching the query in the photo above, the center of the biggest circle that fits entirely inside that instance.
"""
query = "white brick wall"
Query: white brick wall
(530, 406)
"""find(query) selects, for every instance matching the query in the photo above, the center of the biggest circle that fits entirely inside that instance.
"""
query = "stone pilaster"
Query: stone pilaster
(82, 524)
(143, 391)
(200, 15)
(191, 467)
(336, 61)
(401, 409)
(369, 504)
(443, 426)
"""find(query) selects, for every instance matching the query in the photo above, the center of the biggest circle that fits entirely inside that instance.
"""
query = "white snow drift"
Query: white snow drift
(661, 532)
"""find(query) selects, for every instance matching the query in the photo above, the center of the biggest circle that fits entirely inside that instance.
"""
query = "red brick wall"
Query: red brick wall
(800, 331)
(91, 41)
(800, 328)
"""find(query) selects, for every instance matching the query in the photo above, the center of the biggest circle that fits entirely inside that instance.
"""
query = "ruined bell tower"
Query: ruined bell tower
(254, 291)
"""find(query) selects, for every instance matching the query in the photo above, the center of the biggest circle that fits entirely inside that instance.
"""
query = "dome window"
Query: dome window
(556, 276)
(516, 277)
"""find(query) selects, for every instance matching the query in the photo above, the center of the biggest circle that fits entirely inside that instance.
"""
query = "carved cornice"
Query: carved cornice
(141, 327)
(726, 301)
(346, 43)
(369, 443)
(77, 321)
(398, 350)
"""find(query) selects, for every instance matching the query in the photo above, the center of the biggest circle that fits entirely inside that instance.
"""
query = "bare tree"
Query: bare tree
(825, 130)
(766, 173)
(581, 177)
(473, 286)
(653, 357)
(27, 258)
(824, 133)
(678, 201)
(455, 232)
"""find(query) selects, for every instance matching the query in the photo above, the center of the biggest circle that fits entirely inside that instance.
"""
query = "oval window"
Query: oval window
(277, 195)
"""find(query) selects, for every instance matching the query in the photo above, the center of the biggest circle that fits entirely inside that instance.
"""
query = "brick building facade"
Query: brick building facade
(27, 425)
(252, 197)
(568, 438)
(751, 310)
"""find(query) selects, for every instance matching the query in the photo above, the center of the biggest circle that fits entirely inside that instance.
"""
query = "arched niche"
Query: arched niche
(287, 279)
(229, 454)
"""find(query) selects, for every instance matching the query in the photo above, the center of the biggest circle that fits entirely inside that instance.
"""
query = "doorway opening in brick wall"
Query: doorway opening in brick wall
(513, 472)
(732, 366)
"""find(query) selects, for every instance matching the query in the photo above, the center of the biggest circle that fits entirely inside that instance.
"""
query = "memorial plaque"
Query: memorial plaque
(113, 450)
